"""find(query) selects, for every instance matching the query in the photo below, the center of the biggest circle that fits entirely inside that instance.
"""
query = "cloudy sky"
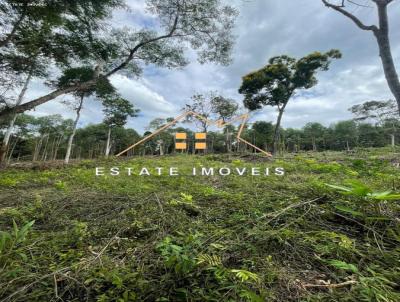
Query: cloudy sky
(264, 28)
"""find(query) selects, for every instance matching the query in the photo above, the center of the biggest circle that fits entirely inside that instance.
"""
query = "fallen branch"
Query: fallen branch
(328, 285)
(276, 214)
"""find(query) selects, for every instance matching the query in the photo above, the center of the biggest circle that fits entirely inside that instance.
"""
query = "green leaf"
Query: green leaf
(21, 235)
(340, 188)
(349, 211)
(5, 237)
(15, 229)
(117, 281)
(244, 275)
(378, 195)
(358, 188)
(343, 265)
(388, 197)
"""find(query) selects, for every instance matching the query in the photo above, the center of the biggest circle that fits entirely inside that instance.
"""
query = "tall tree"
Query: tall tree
(381, 33)
(22, 129)
(201, 104)
(90, 140)
(77, 108)
(346, 134)
(377, 111)
(383, 113)
(203, 25)
(102, 89)
(275, 84)
(225, 109)
(30, 64)
(314, 134)
(163, 140)
(6, 139)
(262, 134)
(371, 135)
(293, 139)
(46, 127)
(116, 111)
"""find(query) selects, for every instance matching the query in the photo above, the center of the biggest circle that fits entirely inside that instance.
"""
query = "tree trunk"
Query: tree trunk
(204, 126)
(71, 137)
(385, 52)
(393, 140)
(108, 145)
(12, 150)
(314, 144)
(4, 145)
(228, 141)
(53, 147)
(38, 147)
(277, 129)
(44, 155)
(44, 99)
(161, 149)
(58, 143)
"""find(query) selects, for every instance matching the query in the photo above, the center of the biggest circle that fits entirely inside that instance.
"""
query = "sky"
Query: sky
(264, 28)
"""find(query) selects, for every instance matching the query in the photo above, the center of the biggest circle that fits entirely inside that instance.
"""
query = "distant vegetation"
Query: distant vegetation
(46, 138)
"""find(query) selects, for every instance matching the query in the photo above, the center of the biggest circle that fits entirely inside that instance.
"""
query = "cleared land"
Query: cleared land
(185, 238)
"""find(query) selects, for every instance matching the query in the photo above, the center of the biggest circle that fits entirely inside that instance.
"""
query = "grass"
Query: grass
(316, 234)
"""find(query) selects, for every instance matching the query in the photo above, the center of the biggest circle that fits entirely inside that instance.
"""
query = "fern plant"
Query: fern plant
(209, 261)
(244, 275)
(9, 242)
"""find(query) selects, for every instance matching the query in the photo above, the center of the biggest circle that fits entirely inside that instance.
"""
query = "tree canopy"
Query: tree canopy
(275, 83)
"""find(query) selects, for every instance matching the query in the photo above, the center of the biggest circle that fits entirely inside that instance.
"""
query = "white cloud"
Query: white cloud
(141, 96)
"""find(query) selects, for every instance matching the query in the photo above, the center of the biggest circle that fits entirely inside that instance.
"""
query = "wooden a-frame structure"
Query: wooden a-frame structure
(220, 123)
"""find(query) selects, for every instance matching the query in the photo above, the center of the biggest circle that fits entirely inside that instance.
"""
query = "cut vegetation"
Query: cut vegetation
(329, 230)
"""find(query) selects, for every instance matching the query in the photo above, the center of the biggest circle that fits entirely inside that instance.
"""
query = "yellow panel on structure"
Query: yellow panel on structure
(180, 135)
(201, 135)
(180, 146)
(201, 146)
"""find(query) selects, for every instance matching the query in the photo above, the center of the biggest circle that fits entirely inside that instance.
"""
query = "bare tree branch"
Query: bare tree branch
(358, 22)
(138, 46)
(358, 4)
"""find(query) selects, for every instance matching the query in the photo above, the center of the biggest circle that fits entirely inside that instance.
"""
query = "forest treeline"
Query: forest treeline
(46, 138)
